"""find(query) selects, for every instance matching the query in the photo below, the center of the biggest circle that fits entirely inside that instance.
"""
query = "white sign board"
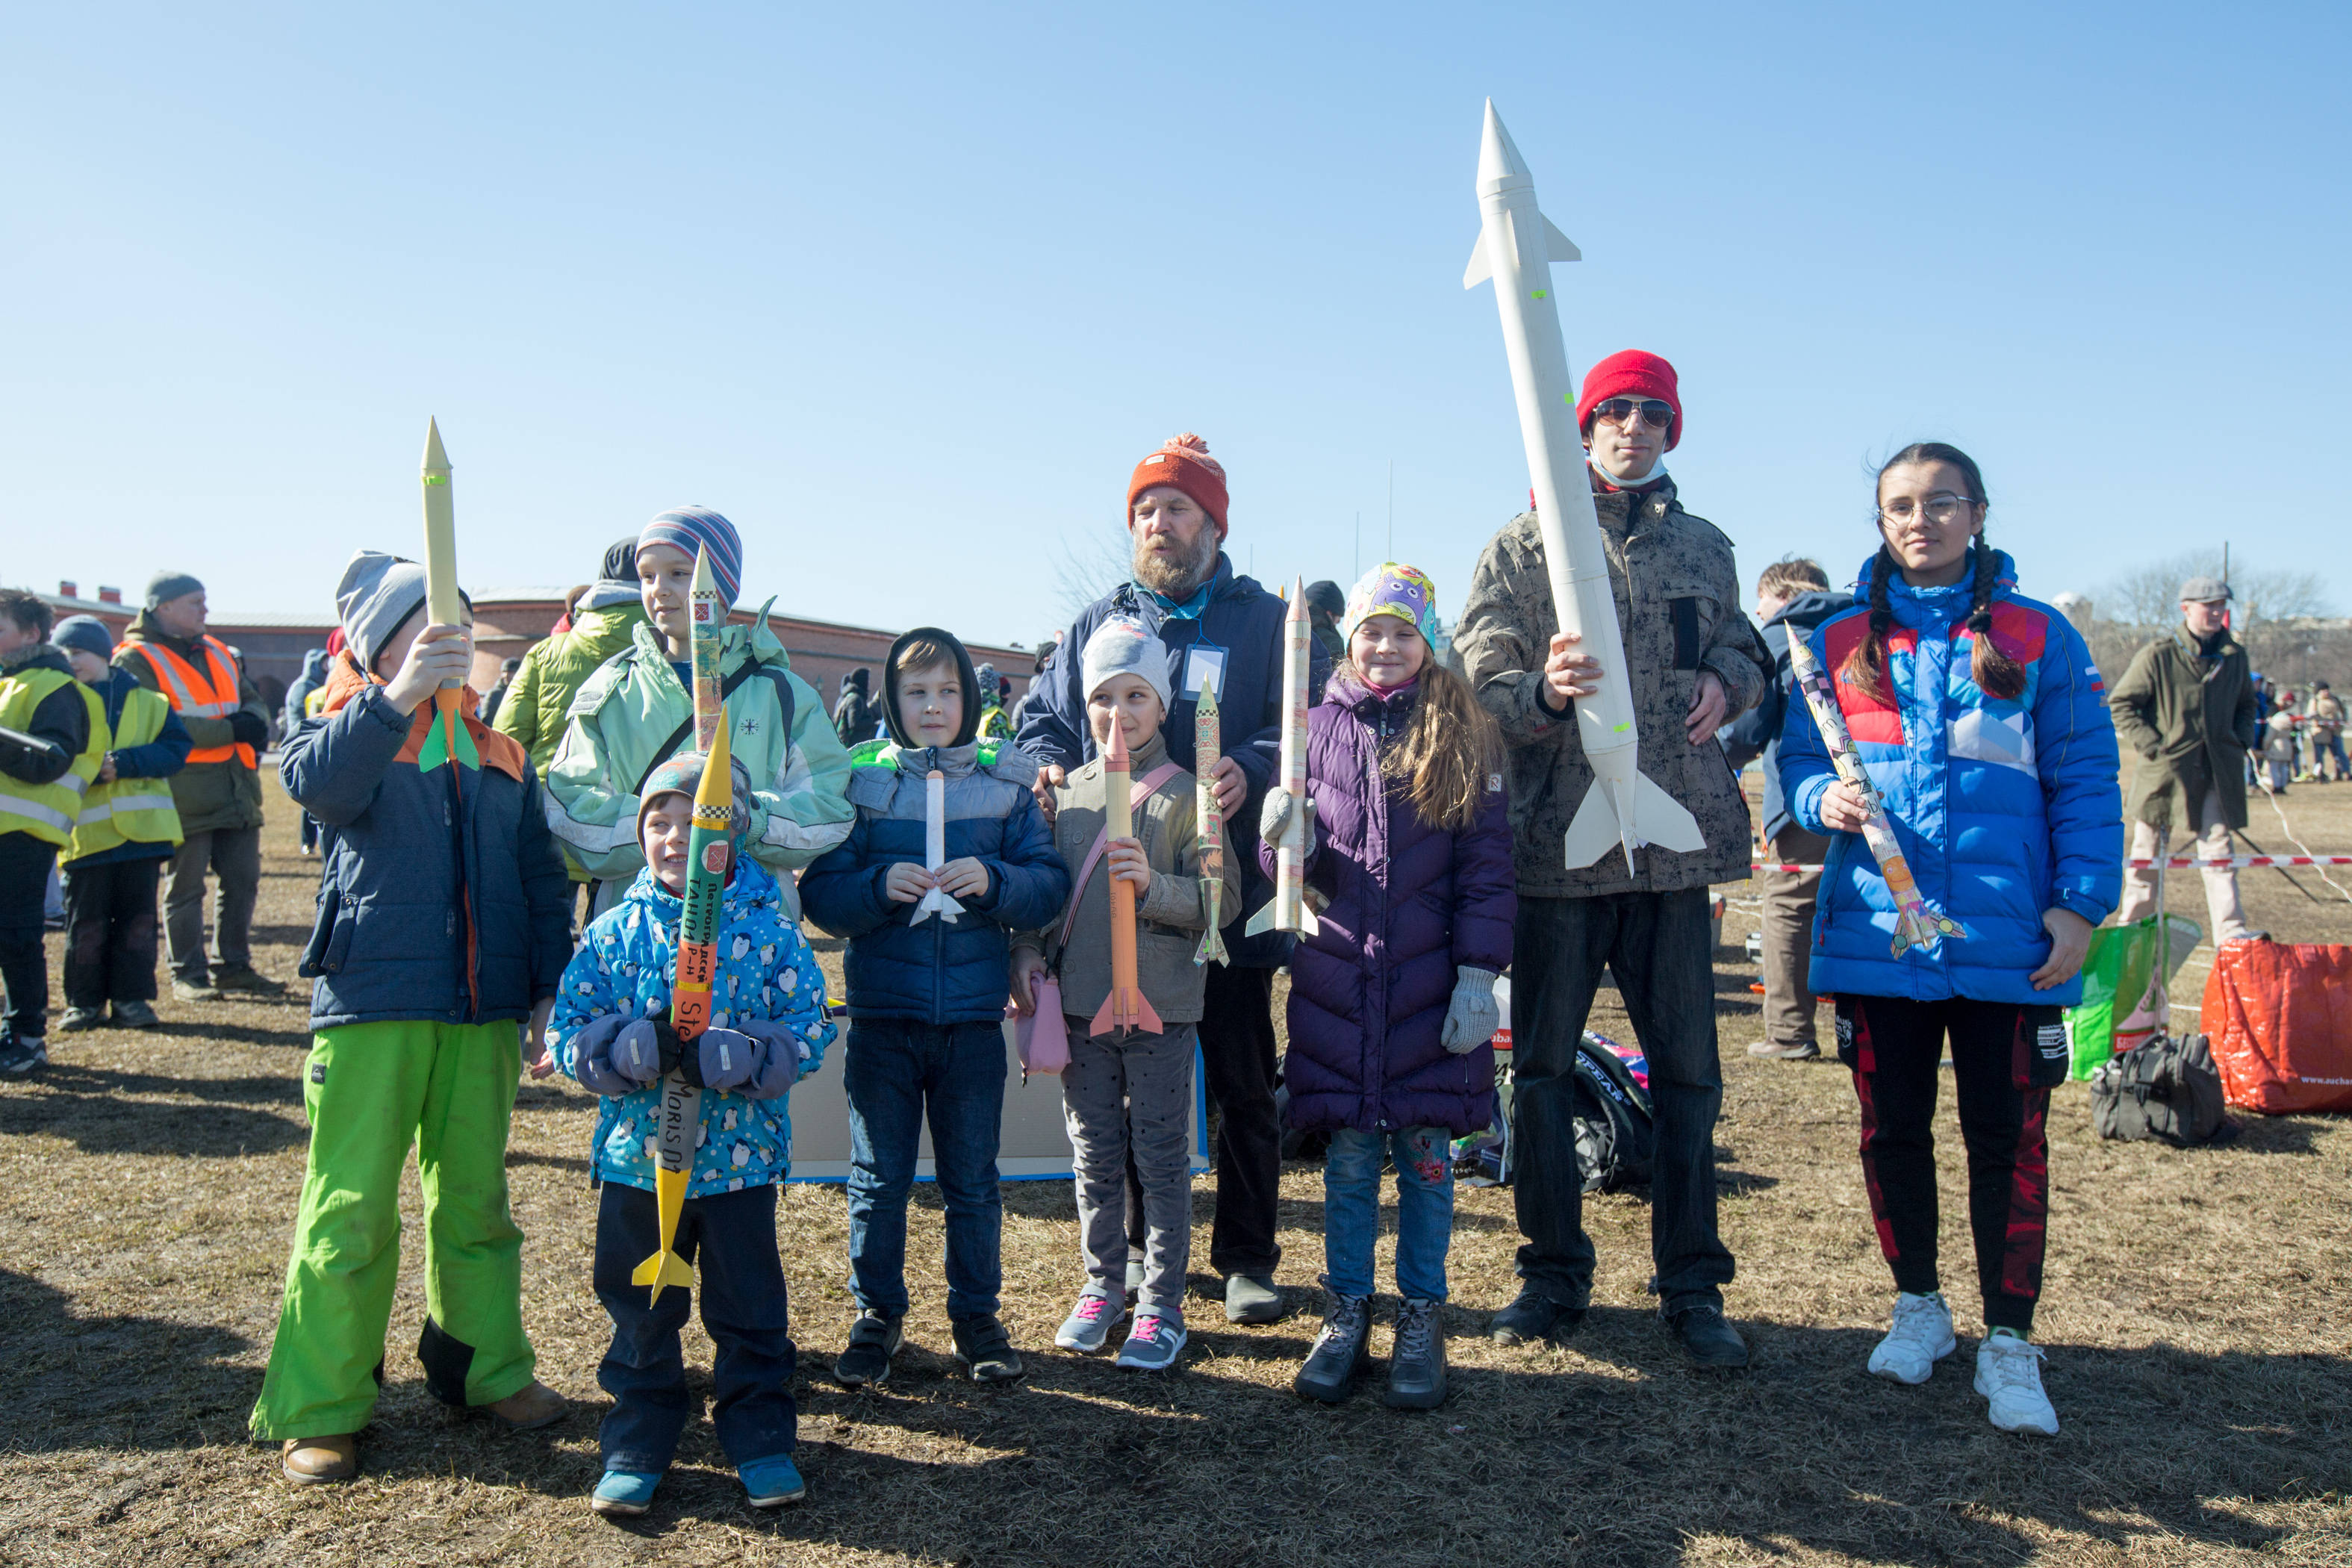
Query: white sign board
(1033, 1145)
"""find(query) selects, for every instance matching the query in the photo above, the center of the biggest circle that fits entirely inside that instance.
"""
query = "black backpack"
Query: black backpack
(1614, 1138)
(2166, 1089)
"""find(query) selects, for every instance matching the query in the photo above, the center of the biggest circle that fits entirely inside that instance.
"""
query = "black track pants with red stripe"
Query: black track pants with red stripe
(2005, 1056)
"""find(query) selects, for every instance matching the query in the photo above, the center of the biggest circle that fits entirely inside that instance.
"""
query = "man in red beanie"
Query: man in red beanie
(1223, 631)
(1694, 662)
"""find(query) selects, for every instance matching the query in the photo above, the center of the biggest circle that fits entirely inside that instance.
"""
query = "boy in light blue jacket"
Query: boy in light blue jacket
(768, 1029)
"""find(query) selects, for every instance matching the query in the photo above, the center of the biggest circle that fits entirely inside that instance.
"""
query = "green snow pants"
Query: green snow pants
(371, 1090)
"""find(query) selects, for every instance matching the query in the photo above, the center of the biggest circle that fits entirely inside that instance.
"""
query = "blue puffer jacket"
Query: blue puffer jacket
(2004, 808)
(1239, 629)
(425, 912)
(766, 975)
(937, 971)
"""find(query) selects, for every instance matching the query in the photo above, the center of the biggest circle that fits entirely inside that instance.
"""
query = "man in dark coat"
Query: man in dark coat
(1694, 662)
(1225, 631)
(1794, 594)
(2187, 705)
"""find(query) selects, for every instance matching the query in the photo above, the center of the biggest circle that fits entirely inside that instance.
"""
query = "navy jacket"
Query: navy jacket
(1243, 620)
(424, 911)
(1757, 732)
(1409, 906)
(938, 971)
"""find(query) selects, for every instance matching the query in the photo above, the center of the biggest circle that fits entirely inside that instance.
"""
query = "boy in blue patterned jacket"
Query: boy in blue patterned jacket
(768, 1029)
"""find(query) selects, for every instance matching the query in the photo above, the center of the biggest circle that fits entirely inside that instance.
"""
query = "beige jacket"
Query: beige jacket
(1169, 918)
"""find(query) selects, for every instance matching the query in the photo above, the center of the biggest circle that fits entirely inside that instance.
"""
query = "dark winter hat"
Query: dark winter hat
(1326, 597)
(1183, 462)
(1631, 373)
(899, 731)
(620, 562)
(87, 633)
(166, 586)
(682, 774)
(696, 528)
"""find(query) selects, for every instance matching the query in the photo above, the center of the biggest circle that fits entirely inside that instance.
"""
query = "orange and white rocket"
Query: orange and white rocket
(1287, 911)
(1124, 1009)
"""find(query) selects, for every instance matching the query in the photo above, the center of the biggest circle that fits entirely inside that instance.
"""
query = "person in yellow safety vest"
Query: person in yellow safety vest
(52, 739)
(217, 794)
(125, 833)
(995, 725)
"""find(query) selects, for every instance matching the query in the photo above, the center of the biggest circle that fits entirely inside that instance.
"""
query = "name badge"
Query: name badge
(1204, 668)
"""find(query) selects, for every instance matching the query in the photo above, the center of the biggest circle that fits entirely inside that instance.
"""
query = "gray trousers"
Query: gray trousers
(1122, 1094)
(1787, 898)
(234, 854)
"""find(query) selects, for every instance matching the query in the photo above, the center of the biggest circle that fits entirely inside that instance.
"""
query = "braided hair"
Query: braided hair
(1993, 670)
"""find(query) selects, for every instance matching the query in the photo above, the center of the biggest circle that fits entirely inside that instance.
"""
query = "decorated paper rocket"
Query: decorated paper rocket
(1287, 911)
(447, 740)
(1125, 1008)
(1208, 745)
(1918, 923)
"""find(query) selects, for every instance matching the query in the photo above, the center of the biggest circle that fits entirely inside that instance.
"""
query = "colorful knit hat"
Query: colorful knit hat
(682, 774)
(1183, 462)
(694, 528)
(1392, 588)
(1631, 373)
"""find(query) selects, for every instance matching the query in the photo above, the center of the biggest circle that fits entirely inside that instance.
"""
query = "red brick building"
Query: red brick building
(506, 621)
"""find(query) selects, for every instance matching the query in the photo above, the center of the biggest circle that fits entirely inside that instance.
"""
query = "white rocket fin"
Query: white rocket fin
(1660, 819)
(1561, 247)
(1592, 832)
(1482, 267)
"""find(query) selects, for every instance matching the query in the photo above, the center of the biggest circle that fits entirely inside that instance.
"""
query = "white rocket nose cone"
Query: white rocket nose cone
(1499, 163)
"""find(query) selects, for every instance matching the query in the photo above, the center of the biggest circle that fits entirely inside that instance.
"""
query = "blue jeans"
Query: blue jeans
(741, 1282)
(894, 1066)
(1351, 1209)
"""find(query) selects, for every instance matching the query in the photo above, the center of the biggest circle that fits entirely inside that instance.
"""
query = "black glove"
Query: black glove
(249, 728)
(674, 1055)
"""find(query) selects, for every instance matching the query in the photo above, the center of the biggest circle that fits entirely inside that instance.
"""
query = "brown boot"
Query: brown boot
(525, 1408)
(311, 1461)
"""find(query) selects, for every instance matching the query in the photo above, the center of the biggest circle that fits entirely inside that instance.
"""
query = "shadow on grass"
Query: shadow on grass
(1545, 1460)
(96, 1110)
(296, 1038)
(114, 1383)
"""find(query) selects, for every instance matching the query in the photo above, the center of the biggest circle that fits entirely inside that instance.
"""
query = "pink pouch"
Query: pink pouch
(1042, 1039)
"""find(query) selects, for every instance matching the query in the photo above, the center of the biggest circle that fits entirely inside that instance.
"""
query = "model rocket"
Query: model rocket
(448, 740)
(1208, 745)
(1287, 911)
(1124, 1008)
(1918, 923)
(680, 1115)
(1516, 250)
(935, 900)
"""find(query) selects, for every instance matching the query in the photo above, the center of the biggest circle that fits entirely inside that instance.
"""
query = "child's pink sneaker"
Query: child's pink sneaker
(1088, 1328)
(1154, 1343)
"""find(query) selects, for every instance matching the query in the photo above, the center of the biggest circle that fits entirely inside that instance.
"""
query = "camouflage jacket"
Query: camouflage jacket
(1678, 606)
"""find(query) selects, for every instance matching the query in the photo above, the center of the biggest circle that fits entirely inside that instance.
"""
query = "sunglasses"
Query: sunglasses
(1654, 411)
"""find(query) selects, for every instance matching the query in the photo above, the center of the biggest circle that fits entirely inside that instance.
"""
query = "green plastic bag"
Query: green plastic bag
(2117, 996)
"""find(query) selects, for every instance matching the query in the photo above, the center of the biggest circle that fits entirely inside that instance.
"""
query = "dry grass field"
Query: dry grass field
(2199, 1356)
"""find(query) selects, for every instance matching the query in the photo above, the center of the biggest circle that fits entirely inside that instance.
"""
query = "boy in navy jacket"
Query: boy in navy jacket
(927, 993)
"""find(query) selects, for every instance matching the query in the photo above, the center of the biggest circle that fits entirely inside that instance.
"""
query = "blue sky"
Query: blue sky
(907, 293)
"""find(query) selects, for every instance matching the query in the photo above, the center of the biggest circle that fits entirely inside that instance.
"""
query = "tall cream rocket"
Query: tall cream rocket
(1517, 246)
(1287, 909)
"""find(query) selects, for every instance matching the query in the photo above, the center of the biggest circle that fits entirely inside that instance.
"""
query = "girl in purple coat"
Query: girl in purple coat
(1392, 1002)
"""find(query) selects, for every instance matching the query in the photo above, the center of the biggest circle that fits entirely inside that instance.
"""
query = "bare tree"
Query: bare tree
(2148, 596)
(1091, 568)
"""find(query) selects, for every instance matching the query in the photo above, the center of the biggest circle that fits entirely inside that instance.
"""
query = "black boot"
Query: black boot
(1534, 1316)
(1417, 1360)
(1341, 1351)
(1706, 1338)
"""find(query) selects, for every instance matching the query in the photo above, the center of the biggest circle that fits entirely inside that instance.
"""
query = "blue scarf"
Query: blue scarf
(1188, 610)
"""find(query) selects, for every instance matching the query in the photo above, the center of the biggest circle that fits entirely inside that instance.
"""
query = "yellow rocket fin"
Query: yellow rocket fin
(663, 1268)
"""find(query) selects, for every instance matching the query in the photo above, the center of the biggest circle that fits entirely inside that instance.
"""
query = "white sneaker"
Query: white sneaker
(1921, 1337)
(2009, 1373)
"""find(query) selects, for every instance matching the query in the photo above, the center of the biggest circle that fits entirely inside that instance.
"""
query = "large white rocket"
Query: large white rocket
(1517, 246)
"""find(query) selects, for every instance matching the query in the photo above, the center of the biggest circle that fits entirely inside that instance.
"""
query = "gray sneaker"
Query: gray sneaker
(1249, 1299)
(195, 991)
(77, 1019)
(1786, 1050)
(1417, 1360)
(1088, 1328)
(20, 1054)
(1342, 1351)
(1154, 1343)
